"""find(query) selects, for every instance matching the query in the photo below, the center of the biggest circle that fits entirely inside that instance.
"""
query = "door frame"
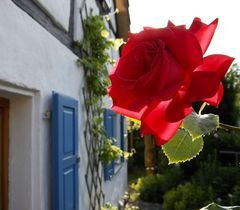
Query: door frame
(4, 151)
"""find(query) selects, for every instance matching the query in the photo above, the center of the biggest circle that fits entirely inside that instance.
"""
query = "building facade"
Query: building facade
(42, 112)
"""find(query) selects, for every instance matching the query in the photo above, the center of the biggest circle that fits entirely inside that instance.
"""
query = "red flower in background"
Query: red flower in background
(162, 71)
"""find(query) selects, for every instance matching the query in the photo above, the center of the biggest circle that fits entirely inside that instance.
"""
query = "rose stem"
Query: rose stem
(201, 108)
(229, 127)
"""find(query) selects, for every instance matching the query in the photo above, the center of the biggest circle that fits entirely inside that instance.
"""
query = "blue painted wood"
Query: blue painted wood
(109, 122)
(109, 117)
(65, 192)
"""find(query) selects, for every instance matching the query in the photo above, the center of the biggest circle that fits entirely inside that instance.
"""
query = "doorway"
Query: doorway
(4, 132)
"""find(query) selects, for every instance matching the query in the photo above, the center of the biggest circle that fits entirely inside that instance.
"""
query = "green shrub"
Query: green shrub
(222, 179)
(236, 195)
(152, 190)
(186, 197)
(172, 178)
(225, 182)
(153, 187)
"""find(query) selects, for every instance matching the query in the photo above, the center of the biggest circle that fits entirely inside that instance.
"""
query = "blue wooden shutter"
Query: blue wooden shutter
(122, 136)
(109, 129)
(64, 153)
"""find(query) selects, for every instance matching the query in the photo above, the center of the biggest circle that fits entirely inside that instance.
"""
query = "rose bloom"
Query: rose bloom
(162, 71)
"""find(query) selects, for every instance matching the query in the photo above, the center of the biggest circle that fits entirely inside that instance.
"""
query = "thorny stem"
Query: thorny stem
(228, 127)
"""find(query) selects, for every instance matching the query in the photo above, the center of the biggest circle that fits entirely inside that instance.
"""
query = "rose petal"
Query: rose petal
(148, 71)
(170, 24)
(207, 77)
(130, 34)
(196, 25)
(179, 107)
(154, 122)
(182, 44)
(132, 66)
(216, 63)
(119, 87)
(129, 106)
(164, 78)
(204, 85)
(127, 112)
(145, 28)
(216, 99)
(203, 32)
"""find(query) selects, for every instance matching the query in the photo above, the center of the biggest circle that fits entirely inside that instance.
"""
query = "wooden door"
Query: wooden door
(4, 130)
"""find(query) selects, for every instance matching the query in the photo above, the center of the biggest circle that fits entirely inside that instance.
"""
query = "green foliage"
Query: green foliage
(152, 188)
(136, 164)
(133, 124)
(95, 59)
(186, 197)
(224, 181)
(188, 141)
(236, 195)
(228, 140)
(221, 140)
(182, 148)
(200, 125)
(109, 151)
(109, 206)
(229, 108)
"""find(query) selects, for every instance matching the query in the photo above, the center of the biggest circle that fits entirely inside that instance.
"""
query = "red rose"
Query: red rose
(162, 71)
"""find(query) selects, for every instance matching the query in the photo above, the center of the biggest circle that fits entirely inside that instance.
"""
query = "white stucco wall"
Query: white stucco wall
(116, 187)
(32, 58)
(33, 63)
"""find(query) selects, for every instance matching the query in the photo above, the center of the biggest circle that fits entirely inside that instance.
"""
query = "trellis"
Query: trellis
(94, 174)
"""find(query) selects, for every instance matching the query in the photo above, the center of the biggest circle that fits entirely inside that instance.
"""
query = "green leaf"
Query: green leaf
(200, 125)
(181, 148)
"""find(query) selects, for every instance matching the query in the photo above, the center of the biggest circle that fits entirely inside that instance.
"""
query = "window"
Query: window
(4, 123)
(114, 127)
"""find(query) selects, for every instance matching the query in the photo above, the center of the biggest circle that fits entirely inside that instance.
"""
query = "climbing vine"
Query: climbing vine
(95, 59)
